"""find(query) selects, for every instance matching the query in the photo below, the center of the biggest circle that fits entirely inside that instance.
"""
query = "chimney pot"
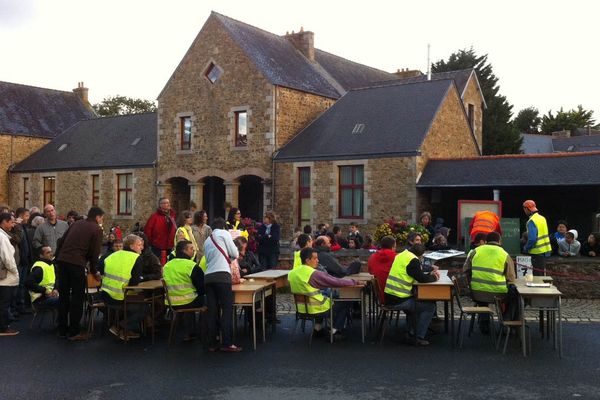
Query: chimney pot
(303, 41)
(82, 92)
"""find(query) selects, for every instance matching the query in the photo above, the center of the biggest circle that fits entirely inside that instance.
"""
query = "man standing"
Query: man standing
(484, 222)
(538, 241)
(81, 245)
(50, 231)
(24, 260)
(490, 270)
(160, 229)
(9, 274)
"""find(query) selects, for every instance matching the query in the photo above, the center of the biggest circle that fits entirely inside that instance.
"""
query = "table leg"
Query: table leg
(153, 311)
(452, 321)
(362, 314)
(274, 321)
(254, 319)
(445, 316)
(560, 348)
(125, 317)
(523, 340)
(263, 304)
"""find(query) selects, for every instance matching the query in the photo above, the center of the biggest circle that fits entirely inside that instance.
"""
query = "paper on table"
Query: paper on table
(440, 255)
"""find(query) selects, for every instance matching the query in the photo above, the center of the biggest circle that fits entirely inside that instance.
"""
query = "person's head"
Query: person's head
(368, 241)
(37, 221)
(440, 240)
(594, 238)
(417, 249)
(269, 218)
(493, 237)
(562, 226)
(112, 237)
(200, 218)
(425, 218)
(321, 228)
(7, 221)
(50, 213)
(117, 245)
(307, 229)
(414, 238)
(353, 227)
(241, 243)
(571, 236)
(445, 231)
(164, 204)
(96, 214)
(185, 218)
(304, 241)
(388, 242)
(184, 249)
(35, 210)
(529, 207)
(352, 243)
(218, 223)
(45, 253)
(234, 215)
(22, 213)
(72, 216)
(336, 230)
(309, 257)
(479, 239)
(323, 241)
(134, 243)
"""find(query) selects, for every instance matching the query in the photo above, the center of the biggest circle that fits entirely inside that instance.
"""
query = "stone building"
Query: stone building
(30, 117)
(109, 162)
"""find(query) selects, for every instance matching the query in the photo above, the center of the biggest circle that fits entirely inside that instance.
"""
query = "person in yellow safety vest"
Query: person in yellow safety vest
(405, 272)
(307, 280)
(490, 272)
(124, 268)
(41, 280)
(303, 241)
(234, 222)
(184, 231)
(538, 240)
(185, 284)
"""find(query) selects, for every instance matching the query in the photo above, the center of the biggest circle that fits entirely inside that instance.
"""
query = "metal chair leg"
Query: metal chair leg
(172, 330)
(506, 340)
(383, 326)
(472, 325)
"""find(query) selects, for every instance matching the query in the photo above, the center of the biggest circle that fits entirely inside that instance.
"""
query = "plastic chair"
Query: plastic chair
(467, 311)
(300, 299)
(505, 327)
(176, 311)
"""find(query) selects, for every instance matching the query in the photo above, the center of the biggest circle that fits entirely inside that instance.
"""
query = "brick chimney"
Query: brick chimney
(82, 92)
(304, 42)
(408, 73)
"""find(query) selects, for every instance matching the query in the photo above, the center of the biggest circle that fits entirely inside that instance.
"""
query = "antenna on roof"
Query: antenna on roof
(428, 62)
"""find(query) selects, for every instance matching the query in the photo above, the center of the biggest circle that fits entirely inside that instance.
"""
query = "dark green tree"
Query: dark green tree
(500, 136)
(528, 120)
(567, 120)
(122, 105)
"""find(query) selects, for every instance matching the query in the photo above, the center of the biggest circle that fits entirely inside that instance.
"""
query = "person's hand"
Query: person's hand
(54, 293)
(435, 267)
(19, 220)
(97, 276)
(245, 270)
(592, 254)
(436, 274)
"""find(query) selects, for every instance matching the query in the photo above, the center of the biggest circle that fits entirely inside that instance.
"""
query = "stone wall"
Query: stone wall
(472, 95)
(73, 191)
(15, 149)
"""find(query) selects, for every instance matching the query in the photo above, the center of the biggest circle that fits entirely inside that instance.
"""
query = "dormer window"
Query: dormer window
(213, 72)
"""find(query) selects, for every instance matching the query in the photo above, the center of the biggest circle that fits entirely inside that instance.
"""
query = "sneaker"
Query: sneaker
(9, 332)
(130, 335)
(230, 349)
(421, 342)
(78, 338)
(114, 330)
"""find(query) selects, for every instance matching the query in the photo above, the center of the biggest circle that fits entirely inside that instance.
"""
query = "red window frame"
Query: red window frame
(303, 192)
(241, 140)
(49, 189)
(95, 190)
(185, 139)
(26, 192)
(126, 191)
(352, 186)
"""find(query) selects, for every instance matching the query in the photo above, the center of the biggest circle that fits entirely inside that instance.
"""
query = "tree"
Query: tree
(528, 120)
(122, 105)
(500, 136)
(567, 120)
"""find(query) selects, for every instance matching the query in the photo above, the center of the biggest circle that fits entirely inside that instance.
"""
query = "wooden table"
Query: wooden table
(367, 278)
(440, 290)
(545, 299)
(351, 293)
(156, 289)
(279, 277)
(247, 294)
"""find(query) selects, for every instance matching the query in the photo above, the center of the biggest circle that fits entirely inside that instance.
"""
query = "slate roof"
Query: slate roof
(461, 78)
(100, 143)
(577, 143)
(33, 111)
(536, 143)
(565, 169)
(283, 65)
(395, 120)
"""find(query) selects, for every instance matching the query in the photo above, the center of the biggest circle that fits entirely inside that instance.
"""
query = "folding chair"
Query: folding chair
(505, 327)
(300, 299)
(176, 311)
(465, 312)
(383, 310)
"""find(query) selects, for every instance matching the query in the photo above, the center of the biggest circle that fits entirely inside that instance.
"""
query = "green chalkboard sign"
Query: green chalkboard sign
(511, 234)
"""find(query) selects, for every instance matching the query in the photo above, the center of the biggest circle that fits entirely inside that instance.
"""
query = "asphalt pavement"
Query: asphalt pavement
(38, 365)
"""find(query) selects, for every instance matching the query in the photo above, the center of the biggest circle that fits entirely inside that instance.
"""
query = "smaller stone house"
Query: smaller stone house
(108, 162)
(30, 117)
(360, 160)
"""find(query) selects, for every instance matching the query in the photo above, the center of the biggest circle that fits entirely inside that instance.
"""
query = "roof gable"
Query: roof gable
(33, 111)
(98, 143)
(384, 121)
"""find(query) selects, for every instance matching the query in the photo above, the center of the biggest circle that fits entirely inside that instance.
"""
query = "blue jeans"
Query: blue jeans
(47, 302)
(424, 313)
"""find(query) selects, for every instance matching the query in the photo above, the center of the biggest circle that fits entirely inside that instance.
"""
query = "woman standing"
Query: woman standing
(234, 222)
(184, 230)
(201, 231)
(268, 241)
(219, 251)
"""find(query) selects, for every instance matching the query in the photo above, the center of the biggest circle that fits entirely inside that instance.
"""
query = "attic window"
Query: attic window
(213, 72)
(358, 128)
(136, 141)
(62, 147)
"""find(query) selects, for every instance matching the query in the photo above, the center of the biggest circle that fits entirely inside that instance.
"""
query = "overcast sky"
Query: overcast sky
(545, 53)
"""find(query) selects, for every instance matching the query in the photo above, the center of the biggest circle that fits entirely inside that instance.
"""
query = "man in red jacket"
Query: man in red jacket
(381, 262)
(160, 229)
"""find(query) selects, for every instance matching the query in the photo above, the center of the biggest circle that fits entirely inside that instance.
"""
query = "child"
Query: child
(569, 246)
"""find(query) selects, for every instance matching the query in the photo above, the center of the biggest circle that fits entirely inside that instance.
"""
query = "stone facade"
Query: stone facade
(14, 149)
(73, 191)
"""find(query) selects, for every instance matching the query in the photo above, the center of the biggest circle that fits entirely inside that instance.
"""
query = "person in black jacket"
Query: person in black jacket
(330, 263)
(268, 241)
(247, 260)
